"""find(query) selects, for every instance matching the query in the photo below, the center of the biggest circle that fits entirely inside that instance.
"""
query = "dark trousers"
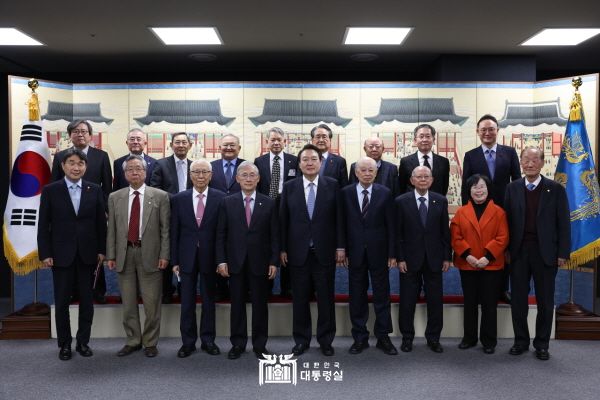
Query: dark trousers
(259, 295)
(167, 283)
(410, 284)
(188, 324)
(529, 264)
(76, 275)
(100, 287)
(481, 287)
(358, 276)
(322, 279)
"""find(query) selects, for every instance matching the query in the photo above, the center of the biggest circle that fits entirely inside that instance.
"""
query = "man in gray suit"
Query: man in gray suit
(137, 247)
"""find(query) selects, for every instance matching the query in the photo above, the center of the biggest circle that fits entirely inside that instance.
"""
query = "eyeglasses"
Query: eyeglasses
(374, 146)
(134, 169)
(80, 131)
(246, 175)
(135, 139)
(229, 145)
(200, 172)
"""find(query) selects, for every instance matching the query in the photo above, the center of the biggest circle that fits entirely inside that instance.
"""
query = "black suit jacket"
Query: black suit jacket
(440, 173)
(336, 168)
(507, 169)
(164, 175)
(415, 242)
(218, 177)
(97, 170)
(553, 220)
(387, 175)
(374, 234)
(187, 237)
(62, 234)
(257, 244)
(119, 181)
(263, 163)
(326, 227)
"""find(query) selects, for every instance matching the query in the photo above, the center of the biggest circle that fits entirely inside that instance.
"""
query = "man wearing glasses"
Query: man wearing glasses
(225, 169)
(387, 173)
(136, 143)
(333, 165)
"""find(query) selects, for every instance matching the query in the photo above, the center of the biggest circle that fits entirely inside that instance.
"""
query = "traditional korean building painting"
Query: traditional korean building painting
(201, 119)
(306, 113)
(63, 113)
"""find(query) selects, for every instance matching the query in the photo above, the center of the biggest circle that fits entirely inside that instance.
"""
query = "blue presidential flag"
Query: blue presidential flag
(576, 172)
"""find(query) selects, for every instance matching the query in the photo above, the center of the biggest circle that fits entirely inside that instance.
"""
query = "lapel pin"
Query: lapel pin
(260, 204)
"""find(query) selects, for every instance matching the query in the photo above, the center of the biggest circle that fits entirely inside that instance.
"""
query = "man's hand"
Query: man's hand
(283, 257)
(101, 258)
(272, 271)
(561, 261)
(162, 263)
(402, 267)
(340, 258)
(223, 270)
(446, 266)
(112, 264)
(392, 263)
(48, 262)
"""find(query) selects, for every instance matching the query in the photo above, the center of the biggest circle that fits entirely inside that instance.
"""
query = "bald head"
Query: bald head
(366, 171)
(200, 174)
(374, 148)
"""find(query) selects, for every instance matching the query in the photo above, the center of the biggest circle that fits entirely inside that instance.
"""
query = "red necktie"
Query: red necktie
(133, 234)
(200, 209)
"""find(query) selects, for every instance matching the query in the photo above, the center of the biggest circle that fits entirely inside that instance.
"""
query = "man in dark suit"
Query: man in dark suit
(97, 171)
(539, 224)
(171, 174)
(424, 136)
(312, 242)
(248, 253)
(370, 244)
(497, 162)
(225, 169)
(72, 241)
(423, 254)
(136, 143)
(387, 173)
(194, 214)
(276, 167)
(333, 165)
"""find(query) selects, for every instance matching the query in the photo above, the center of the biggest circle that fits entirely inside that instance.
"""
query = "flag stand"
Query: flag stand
(36, 308)
(570, 308)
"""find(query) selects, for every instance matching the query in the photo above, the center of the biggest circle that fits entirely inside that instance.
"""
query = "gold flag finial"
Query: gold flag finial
(33, 103)
(576, 107)
(576, 82)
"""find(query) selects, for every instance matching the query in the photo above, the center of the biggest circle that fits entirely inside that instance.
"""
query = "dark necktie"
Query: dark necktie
(228, 174)
(275, 175)
(423, 211)
(133, 234)
(425, 161)
(365, 203)
(491, 162)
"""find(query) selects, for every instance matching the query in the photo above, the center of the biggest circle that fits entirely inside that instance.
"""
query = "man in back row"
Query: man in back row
(387, 173)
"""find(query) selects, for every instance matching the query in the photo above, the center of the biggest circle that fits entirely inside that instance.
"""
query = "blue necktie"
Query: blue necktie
(323, 165)
(310, 202)
(423, 211)
(228, 174)
(75, 197)
(490, 159)
(530, 186)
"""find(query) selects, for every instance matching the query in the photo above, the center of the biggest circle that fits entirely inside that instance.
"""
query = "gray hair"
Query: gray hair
(136, 130)
(421, 167)
(133, 157)
(245, 165)
(237, 139)
(202, 160)
(276, 129)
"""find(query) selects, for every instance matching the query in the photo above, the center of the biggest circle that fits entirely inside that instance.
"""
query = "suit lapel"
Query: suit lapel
(173, 172)
(123, 204)
(211, 205)
(189, 205)
(259, 207)
(67, 196)
(148, 198)
(412, 205)
(546, 191)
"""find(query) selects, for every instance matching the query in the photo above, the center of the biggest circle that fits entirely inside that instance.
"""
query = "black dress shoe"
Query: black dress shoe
(327, 350)
(406, 345)
(84, 350)
(235, 352)
(65, 352)
(210, 348)
(542, 354)
(150, 351)
(466, 345)
(386, 345)
(358, 347)
(186, 351)
(299, 349)
(260, 353)
(127, 350)
(489, 350)
(517, 350)
(436, 346)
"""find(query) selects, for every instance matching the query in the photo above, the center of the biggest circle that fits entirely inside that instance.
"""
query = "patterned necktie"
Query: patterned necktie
(490, 159)
(310, 201)
(200, 209)
(181, 175)
(75, 197)
(248, 199)
(133, 234)
(365, 203)
(530, 186)
(323, 165)
(425, 161)
(275, 175)
(423, 211)
(228, 173)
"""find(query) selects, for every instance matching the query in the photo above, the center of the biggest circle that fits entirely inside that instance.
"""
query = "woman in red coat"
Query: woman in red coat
(479, 237)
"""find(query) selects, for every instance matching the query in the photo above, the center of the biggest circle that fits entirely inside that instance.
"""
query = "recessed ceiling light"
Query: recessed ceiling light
(385, 36)
(187, 36)
(560, 37)
(14, 37)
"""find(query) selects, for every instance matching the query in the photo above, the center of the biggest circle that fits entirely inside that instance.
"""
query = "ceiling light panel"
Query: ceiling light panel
(560, 37)
(14, 37)
(375, 36)
(188, 36)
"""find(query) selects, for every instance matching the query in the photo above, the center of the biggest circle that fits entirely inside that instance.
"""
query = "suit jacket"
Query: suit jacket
(336, 168)
(263, 163)
(374, 234)
(553, 220)
(415, 242)
(164, 175)
(119, 181)
(387, 175)
(507, 169)
(489, 233)
(326, 227)
(186, 236)
(97, 170)
(258, 244)
(155, 217)
(62, 234)
(218, 177)
(440, 173)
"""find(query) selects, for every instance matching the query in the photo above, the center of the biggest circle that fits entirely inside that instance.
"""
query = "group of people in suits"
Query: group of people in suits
(233, 225)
